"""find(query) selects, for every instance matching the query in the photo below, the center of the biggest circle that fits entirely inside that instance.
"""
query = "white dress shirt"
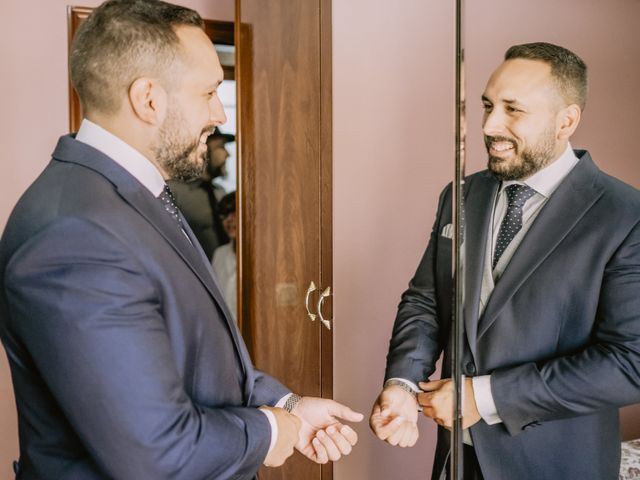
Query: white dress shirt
(139, 166)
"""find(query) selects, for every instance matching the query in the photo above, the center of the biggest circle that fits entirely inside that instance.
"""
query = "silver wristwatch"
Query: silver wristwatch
(404, 386)
(399, 383)
(291, 402)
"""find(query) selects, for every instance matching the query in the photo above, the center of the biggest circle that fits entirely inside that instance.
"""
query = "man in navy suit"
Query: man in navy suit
(552, 294)
(125, 360)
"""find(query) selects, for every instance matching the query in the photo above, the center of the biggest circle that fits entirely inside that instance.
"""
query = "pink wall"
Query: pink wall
(34, 99)
(393, 136)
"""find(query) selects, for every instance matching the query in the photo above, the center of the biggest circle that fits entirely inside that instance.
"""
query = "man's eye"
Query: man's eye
(487, 107)
(512, 109)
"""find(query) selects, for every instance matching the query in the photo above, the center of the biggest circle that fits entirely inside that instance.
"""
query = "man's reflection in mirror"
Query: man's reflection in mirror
(198, 198)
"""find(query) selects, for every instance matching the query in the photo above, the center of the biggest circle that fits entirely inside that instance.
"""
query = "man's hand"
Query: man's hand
(394, 417)
(437, 402)
(288, 428)
(322, 437)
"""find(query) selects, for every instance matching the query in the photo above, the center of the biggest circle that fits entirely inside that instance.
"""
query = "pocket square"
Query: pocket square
(447, 231)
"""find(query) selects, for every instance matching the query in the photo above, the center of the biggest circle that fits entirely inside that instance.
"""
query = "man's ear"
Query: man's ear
(148, 100)
(568, 120)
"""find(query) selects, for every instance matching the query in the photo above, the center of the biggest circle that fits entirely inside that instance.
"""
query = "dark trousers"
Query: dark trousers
(470, 467)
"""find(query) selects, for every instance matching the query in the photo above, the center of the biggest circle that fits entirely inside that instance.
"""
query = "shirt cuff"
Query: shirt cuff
(409, 383)
(283, 400)
(484, 399)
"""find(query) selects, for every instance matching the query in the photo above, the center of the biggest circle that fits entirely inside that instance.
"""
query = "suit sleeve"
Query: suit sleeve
(91, 320)
(267, 390)
(416, 340)
(605, 374)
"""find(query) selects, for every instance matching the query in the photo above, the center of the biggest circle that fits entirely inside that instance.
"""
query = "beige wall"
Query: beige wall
(393, 152)
(34, 99)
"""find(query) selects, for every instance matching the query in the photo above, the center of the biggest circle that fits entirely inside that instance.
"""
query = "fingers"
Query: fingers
(397, 435)
(433, 385)
(333, 452)
(321, 455)
(428, 410)
(437, 402)
(340, 440)
(342, 411)
(410, 438)
(405, 436)
(349, 434)
(428, 403)
(384, 429)
(332, 443)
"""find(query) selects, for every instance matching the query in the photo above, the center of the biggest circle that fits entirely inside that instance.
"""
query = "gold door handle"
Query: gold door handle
(323, 295)
(310, 290)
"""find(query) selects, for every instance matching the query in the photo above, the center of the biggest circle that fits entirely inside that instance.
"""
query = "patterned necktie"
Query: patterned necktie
(169, 203)
(517, 196)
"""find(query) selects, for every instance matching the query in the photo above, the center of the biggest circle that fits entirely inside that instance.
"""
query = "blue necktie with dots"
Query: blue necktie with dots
(169, 203)
(517, 196)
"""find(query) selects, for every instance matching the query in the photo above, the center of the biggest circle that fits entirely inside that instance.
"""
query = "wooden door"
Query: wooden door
(284, 140)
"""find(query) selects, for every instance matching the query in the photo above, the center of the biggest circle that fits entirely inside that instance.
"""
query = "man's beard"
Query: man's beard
(525, 163)
(177, 153)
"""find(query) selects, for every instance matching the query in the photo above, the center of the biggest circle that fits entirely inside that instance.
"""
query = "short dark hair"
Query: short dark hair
(227, 204)
(123, 40)
(568, 69)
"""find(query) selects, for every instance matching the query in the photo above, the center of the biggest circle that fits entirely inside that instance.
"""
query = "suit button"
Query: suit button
(470, 368)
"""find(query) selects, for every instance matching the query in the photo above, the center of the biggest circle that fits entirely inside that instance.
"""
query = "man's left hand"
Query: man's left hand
(437, 402)
(322, 436)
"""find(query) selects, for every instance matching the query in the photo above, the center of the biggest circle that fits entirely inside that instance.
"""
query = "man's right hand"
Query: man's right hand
(394, 417)
(288, 428)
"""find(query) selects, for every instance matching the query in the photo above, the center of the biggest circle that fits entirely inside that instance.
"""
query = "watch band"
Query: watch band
(291, 402)
(399, 383)
(404, 386)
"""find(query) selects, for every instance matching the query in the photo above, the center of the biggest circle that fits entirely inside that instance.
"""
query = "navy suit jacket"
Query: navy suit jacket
(124, 358)
(560, 334)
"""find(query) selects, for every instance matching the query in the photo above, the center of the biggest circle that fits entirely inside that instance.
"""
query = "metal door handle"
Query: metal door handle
(323, 295)
(310, 290)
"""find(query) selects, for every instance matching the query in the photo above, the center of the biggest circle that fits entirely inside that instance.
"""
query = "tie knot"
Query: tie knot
(169, 202)
(167, 194)
(517, 195)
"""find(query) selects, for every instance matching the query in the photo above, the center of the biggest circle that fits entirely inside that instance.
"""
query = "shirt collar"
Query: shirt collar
(549, 178)
(123, 154)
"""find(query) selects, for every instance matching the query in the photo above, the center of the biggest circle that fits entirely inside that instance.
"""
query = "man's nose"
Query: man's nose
(216, 112)
(493, 123)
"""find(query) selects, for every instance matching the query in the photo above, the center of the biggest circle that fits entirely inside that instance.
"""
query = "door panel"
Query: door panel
(285, 185)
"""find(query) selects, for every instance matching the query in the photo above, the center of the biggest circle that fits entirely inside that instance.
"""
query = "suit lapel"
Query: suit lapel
(568, 204)
(166, 226)
(240, 346)
(150, 208)
(478, 209)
